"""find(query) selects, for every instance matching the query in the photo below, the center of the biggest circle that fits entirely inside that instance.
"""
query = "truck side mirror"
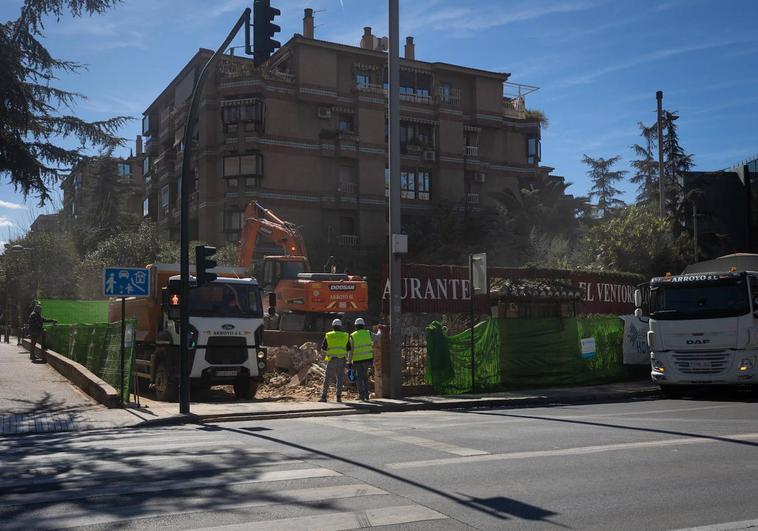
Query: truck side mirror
(637, 298)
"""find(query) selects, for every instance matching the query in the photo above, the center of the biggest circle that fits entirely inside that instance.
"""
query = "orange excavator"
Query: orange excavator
(304, 300)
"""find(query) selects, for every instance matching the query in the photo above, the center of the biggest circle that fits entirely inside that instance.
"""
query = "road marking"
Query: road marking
(70, 492)
(581, 450)
(401, 514)
(187, 506)
(407, 439)
(728, 526)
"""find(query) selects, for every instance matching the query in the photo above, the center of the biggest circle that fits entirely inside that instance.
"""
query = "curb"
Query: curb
(504, 403)
(81, 377)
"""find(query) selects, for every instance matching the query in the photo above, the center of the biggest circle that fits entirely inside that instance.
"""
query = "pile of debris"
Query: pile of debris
(298, 373)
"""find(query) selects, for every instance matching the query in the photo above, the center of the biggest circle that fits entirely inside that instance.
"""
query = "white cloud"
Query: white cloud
(12, 206)
(5, 222)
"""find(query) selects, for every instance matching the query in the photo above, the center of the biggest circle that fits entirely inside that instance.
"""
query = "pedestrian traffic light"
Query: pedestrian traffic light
(203, 263)
(263, 29)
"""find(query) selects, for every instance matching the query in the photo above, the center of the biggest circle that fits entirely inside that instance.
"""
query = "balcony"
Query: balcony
(472, 152)
(472, 199)
(347, 187)
(424, 99)
(347, 240)
(372, 88)
(448, 96)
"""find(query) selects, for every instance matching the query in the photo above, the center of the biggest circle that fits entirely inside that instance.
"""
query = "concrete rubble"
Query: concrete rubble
(298, 373)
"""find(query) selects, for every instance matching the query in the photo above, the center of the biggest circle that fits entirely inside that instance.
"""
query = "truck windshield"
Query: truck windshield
(225, 300)
(707, 300)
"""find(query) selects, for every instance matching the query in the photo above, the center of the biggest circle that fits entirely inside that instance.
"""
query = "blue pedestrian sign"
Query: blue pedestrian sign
(126, 282)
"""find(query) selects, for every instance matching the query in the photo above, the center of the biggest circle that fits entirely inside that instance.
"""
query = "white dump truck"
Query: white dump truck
(226, 332)
(703, 325)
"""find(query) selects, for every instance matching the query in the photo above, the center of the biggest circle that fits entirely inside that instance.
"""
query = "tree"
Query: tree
(33, 116)
(603, 177)
(646, 166)
(638, 240)
(677, 163)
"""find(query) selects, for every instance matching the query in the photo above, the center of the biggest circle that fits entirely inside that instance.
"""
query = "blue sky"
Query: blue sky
(598, 64)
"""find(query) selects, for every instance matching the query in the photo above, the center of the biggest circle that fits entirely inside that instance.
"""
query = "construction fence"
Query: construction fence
(512, 353)
(97, 347)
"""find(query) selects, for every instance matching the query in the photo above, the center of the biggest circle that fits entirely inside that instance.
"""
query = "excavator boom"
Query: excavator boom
(258, 220)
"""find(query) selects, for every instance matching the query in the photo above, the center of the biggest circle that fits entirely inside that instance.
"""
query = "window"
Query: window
(347, 225)
(231, 114)
(77, 183)
(362, 80)
(422, 185)
(146, 168)
(146, 207)
(232, 185)
(248, 111)
(243, 165)
(346, 122)
(387, 182)
(165, 196)
(146, 124)
(446, 90)
(533, 151)
(407, 185)
(232, 225)
(415, 134)
(124, 169)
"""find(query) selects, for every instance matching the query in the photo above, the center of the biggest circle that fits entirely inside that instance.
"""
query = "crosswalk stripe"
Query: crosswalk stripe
(581, 450)
(164, 508)
(401, 514)
(407, 439)
(67, 493)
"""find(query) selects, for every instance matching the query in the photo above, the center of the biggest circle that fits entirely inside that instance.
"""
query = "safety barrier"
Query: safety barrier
(97, 347)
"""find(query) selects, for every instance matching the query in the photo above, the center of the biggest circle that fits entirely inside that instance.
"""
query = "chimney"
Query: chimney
(308, 23)
(410, 49)
(139, 145)
(367, 41)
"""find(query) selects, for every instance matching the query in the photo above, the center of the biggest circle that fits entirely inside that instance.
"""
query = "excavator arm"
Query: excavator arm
(258, 220)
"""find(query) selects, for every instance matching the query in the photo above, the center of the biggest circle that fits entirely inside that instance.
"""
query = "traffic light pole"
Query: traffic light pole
(184, 395)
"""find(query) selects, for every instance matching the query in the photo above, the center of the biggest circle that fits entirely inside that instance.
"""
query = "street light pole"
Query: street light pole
(394, 204)
(661, 180)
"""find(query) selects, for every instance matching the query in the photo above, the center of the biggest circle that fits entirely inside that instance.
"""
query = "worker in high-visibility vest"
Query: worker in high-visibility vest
(336, 345)
(362, 355)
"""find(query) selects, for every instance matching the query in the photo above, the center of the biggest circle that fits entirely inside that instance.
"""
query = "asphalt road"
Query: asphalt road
(657, 464)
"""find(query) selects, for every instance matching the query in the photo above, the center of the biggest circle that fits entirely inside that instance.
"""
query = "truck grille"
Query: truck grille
(702, 362)
(226, 351)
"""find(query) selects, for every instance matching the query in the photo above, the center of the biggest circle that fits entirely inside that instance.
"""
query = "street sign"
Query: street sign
(126, 282)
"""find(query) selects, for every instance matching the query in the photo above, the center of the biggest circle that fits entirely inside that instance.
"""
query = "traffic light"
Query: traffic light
(263, 29)
(203, 263)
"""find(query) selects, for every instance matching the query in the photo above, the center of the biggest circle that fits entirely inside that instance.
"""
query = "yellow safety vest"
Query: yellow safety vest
(336, 344)
(362, 345)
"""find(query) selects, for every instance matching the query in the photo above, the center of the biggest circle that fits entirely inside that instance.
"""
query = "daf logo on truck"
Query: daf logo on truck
(698, 341)
(342, 287)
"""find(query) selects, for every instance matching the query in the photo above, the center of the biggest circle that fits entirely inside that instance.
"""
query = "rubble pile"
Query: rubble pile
(298, 373)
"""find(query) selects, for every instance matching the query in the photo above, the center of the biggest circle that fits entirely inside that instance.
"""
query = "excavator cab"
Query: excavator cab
(276, 268)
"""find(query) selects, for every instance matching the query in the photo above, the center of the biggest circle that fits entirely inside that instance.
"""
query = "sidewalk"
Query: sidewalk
(34, 398)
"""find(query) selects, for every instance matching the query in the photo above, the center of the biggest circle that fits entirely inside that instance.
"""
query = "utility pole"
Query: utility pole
(694, 227)
(394, 228)
(661, 180)
(184, 395)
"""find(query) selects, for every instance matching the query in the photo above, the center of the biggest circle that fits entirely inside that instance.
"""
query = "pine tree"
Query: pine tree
(677, 163)
(646, 166)
(603, 178)
(34, 115)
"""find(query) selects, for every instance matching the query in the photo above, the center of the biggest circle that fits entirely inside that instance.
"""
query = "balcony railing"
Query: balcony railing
(347, 240)
(416, 98)
(472, 199)
(472, 151)
(514, 108)
(347, 187)
(373, 88)
(449, 96)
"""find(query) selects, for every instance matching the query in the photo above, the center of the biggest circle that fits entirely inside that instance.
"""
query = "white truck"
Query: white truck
(226, 333)
(703, 326)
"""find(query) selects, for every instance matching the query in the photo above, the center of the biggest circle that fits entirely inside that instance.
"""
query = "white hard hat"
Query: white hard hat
(360, 322)
(337, 322)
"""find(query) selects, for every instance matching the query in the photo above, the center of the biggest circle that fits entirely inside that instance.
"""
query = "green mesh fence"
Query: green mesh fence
(97, 347)
(449, 365)
(513, 353)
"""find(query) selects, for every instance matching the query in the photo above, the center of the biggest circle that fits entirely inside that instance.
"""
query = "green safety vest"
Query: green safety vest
(362, 345)
(336, 344)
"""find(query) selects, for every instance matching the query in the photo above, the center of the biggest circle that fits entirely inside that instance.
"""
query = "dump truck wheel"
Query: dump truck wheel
(245, 388)
(165, 389)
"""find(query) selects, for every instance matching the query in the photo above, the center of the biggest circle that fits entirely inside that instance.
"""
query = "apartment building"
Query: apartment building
(81, 183)
(305, 135)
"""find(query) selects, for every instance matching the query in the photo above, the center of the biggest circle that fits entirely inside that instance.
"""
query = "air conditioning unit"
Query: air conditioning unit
(324, 112)
(429, 155)
(479, 177)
